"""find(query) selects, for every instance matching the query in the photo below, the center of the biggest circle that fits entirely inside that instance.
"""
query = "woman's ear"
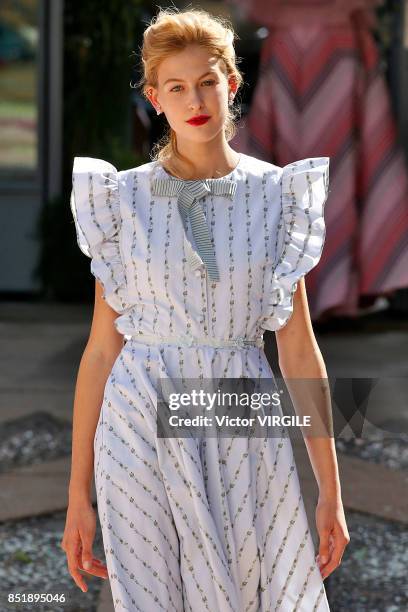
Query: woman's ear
(152, 95)
(232, 86)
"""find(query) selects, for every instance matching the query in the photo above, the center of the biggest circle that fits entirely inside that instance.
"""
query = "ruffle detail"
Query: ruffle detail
(301, 234)
(95, 206)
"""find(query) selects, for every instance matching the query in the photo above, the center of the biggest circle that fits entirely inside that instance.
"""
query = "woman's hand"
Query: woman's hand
(80, 527)
(333, 533)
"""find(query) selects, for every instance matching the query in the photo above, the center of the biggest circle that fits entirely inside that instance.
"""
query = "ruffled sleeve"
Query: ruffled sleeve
(95, 207)
(301, 232)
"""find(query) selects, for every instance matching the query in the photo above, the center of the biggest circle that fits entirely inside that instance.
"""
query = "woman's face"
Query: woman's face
(191, 83)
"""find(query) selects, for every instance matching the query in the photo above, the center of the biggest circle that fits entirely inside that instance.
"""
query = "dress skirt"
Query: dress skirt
(210, 524)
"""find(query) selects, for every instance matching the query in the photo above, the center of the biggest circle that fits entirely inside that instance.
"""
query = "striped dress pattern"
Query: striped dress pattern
(217, 523)
(321, 88)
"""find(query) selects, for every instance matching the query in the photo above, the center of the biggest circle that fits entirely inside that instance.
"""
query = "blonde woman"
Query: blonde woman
(195, 254)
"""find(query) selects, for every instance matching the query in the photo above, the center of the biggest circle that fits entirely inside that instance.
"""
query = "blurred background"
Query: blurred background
(322, 77)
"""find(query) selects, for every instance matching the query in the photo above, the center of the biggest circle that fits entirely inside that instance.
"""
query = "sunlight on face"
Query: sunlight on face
(198, 86)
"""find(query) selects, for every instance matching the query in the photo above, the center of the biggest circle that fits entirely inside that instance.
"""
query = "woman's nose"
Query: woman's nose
(195, 101)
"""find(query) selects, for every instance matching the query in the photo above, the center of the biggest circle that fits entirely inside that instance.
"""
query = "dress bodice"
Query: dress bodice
(212, 257)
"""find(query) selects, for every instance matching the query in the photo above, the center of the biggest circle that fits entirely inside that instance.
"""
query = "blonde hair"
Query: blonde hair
(171, 31)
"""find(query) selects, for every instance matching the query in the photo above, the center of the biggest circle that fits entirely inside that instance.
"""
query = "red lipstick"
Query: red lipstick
(198, 120)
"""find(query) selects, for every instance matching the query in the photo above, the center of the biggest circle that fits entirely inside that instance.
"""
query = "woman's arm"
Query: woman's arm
(103, 347)
(300, 358)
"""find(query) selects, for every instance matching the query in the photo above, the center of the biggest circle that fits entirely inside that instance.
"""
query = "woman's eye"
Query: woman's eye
(206, 81)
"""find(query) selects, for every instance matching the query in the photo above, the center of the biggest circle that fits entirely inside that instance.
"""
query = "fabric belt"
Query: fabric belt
(190, 340)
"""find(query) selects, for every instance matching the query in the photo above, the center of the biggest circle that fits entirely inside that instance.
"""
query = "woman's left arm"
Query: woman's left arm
(300, 358)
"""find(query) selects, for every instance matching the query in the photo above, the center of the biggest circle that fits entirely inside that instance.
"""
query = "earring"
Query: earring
(157, 108)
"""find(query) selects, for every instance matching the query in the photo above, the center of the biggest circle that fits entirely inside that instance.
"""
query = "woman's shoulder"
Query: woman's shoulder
(246, 162)
(143, 170)
(101, 168)
(260, 167)
(83, 164)
(293, 175)
(256, 165)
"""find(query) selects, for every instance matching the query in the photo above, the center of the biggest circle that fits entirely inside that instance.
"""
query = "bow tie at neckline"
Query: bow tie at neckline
(188, 193)
(172, 186)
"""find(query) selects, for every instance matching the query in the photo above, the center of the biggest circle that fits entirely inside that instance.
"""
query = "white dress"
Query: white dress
(218, 525)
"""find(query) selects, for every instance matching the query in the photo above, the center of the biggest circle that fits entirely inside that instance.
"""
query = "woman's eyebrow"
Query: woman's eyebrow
(200, 77)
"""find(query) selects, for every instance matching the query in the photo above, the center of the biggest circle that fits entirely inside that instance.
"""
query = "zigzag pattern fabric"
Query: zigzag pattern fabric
(321, 91)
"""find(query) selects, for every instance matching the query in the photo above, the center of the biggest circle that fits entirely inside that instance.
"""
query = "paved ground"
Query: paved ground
(41, 350)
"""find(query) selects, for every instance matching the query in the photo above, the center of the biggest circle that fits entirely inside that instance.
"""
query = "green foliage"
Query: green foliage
(101, 39)
(101, 43)
(62, 267)
(21, 556)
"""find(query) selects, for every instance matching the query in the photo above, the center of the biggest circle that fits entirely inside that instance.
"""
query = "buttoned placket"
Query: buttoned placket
(189, 195)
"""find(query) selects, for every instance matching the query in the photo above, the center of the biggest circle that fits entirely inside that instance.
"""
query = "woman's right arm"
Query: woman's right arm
(103, 346)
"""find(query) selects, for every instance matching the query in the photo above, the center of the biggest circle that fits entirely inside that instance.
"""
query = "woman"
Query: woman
(198, 252)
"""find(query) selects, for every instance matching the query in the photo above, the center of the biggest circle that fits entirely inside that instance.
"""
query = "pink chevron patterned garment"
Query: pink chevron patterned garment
(321, 88)
(220, 525)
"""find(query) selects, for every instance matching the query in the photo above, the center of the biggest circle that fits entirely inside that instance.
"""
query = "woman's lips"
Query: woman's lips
(199, 120)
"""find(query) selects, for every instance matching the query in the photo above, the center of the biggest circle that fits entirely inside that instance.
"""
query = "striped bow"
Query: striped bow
(188, 195)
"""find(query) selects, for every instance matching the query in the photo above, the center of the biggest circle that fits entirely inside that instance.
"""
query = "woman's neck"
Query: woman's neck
(208, 165)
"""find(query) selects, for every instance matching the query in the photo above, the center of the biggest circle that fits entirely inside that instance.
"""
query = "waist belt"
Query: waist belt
(190, 340)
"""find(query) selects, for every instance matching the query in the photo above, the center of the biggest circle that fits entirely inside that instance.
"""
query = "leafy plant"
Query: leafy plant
(100, 41)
